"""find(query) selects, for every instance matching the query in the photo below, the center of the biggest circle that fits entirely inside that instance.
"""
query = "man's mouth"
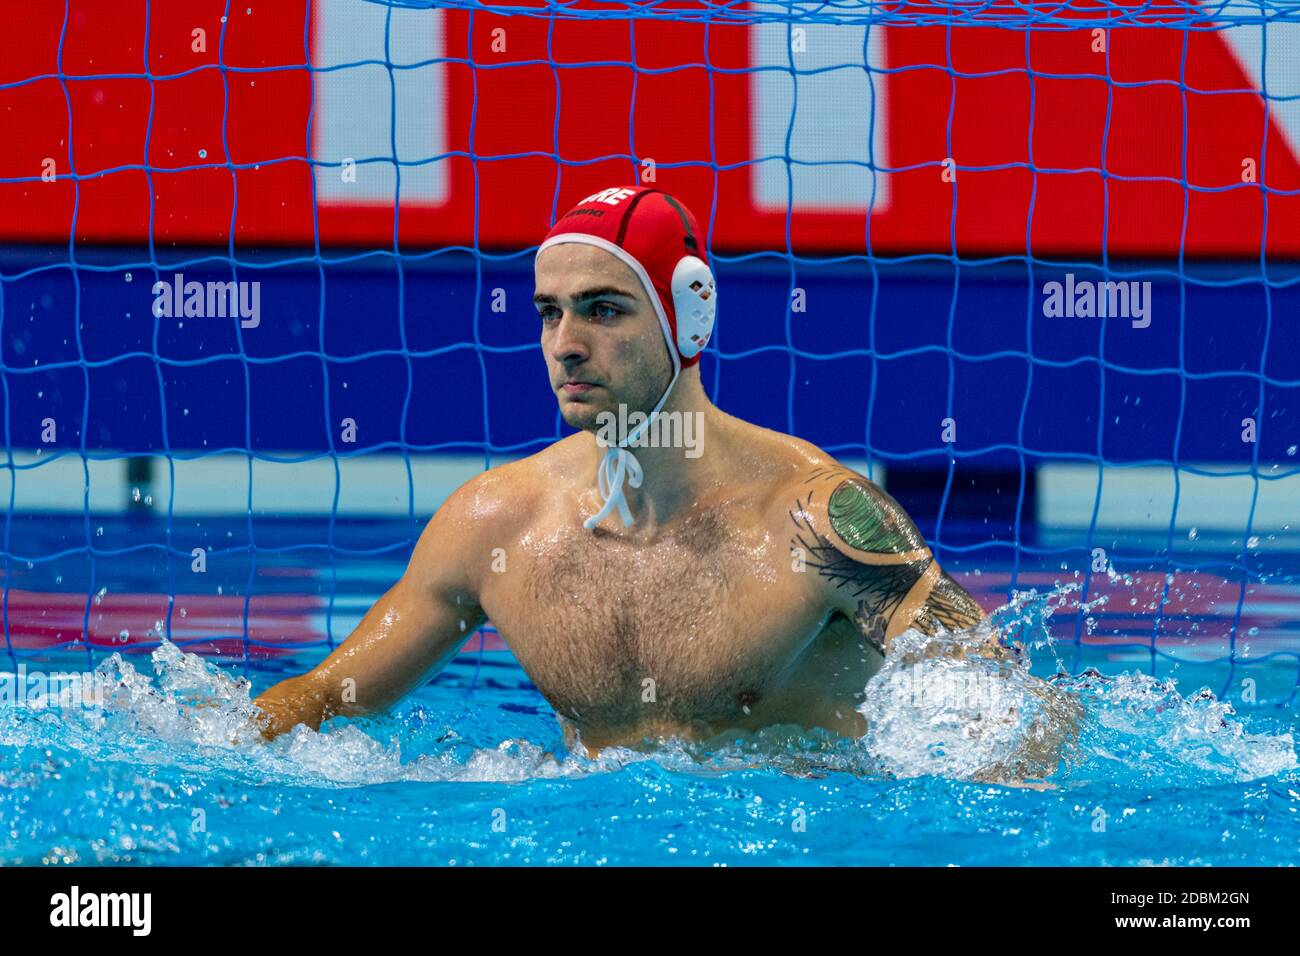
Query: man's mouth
(578, 388)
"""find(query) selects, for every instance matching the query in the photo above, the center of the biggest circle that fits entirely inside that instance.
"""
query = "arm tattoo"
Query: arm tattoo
(886, 557)
(870, 521)
(949, 607)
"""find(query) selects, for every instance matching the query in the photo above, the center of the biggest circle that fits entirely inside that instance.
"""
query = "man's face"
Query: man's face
(600, 335)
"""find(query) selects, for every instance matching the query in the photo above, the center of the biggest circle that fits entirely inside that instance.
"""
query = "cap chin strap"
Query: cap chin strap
(620, 465)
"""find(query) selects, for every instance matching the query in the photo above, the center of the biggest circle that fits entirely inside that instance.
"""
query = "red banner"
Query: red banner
(981, 140)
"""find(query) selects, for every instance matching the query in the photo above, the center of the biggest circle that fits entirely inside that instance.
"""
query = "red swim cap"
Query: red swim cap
(651, 232)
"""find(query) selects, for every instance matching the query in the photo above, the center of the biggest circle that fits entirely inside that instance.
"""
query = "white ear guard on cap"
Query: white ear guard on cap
(695, 299)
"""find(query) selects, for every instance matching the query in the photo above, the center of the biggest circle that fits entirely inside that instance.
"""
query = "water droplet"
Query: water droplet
(203, 154)
(1193, 534)
(1252, 541)
(1291, 451)
(124, 634)
(148, 501)
(183, 612)
(1253, 631)
(135, 494)
(128, 277)
(99, 532)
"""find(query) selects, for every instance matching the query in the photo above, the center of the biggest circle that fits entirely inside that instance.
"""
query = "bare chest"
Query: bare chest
(694, 627)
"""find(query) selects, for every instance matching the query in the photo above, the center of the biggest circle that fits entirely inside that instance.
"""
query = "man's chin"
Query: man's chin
(580, 414)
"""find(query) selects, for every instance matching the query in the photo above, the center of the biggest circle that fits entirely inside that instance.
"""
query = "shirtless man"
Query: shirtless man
(753, 582)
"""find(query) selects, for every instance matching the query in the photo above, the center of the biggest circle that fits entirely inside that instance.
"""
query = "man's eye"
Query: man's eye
(600, 310)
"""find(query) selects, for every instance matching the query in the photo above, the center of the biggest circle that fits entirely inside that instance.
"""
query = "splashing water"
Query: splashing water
(962, 705)
(128, 780)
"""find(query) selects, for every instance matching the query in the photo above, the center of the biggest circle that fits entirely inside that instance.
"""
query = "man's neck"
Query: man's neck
(680, 456)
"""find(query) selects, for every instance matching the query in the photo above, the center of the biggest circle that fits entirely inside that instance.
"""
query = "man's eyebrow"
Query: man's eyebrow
(596, 292)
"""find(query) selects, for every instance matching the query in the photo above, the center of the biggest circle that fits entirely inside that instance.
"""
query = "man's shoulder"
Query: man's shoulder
(810, 494)
(788, 468)
(829, 504)
(493, 509)
(511, 492)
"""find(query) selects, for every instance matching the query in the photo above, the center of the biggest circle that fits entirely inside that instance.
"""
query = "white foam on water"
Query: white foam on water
(963, 705)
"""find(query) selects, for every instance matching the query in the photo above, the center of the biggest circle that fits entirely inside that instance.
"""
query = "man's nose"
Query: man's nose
(568, 341)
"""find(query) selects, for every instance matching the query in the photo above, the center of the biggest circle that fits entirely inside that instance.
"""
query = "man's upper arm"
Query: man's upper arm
(875, 565)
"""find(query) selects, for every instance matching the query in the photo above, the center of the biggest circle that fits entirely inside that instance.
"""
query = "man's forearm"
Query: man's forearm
(948, 606)
(297, 700)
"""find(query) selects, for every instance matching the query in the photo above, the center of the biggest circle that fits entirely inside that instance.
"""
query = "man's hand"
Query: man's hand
(289, 703)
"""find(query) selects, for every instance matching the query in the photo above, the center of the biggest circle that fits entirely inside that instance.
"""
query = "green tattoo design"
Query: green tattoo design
(869, 520)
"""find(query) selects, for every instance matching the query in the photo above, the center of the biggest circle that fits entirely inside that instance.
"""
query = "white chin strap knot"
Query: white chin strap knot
(618, 465)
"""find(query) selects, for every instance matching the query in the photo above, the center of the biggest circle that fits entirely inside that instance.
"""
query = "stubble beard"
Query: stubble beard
(640, 394)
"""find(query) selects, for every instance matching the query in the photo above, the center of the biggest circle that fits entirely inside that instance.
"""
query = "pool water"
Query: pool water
(1186, 752)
